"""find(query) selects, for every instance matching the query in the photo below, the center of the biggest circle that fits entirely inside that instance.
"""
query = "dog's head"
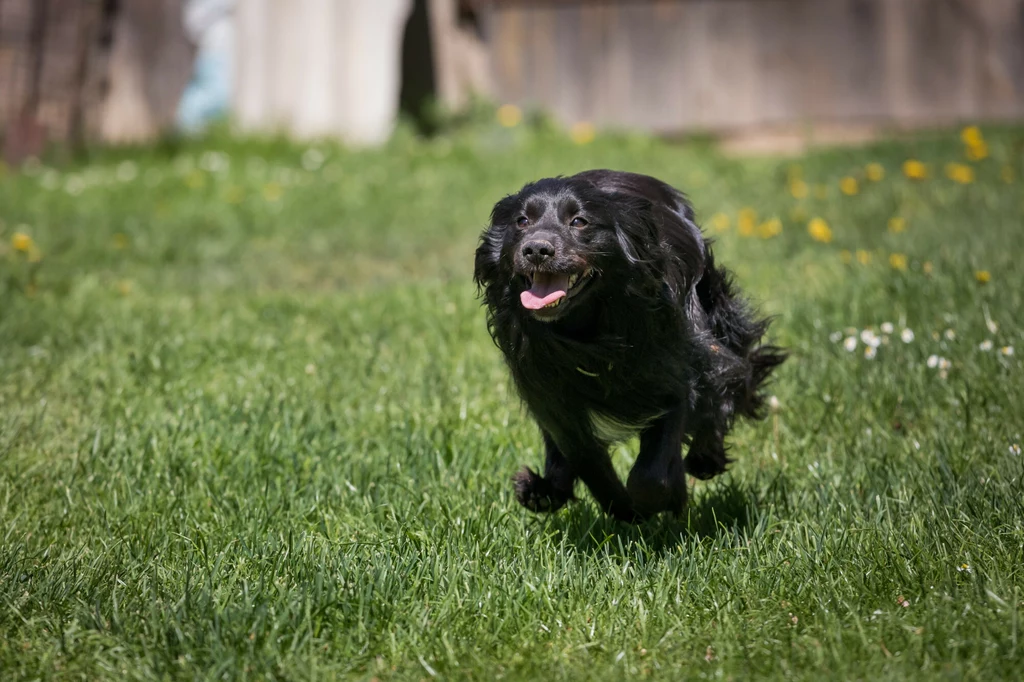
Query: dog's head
(560, 245)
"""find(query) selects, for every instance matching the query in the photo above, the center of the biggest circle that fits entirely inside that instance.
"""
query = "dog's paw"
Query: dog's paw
(537, 494)
(652, 495)
(705, 466)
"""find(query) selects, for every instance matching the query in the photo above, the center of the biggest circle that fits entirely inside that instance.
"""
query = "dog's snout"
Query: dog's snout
(537, 251)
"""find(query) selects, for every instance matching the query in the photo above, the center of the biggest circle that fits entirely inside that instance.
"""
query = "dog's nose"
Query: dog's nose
(537, 251)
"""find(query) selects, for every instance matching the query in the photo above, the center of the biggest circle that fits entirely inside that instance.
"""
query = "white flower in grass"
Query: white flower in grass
(850, 343)
(870, 352)
(932, 361)
(835, 337)
(870, 338)
(907, 335)
(985, 345)
(965, 568)
(944, 363)
(950, 335)
(991, 324)
(1006, 350)
(887, 328)
(774, 404)
(1015, 449)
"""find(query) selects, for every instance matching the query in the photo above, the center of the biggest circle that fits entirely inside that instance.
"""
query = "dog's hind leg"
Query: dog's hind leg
(550, 492)
(706, 458)
(657, 481)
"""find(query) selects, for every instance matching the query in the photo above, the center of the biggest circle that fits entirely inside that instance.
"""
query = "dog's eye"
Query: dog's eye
(578, 222)
(522, 221)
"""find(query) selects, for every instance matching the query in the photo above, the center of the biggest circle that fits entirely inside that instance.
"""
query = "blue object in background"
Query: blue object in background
(207, 96)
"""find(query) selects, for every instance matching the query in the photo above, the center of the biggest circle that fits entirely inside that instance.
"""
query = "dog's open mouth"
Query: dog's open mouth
(548, 290)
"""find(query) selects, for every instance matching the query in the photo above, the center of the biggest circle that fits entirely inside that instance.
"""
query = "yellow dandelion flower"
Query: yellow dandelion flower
(971, 135)
(799, 189)
(849, 186)
(863, 257)
(898, 261)
(583, 132)
(747, 222)
(769, 228)
(897, 224)
(272, 191)
(846, 256)
(977, 152)
(720, 222)
(915, 170)
(21, 242)
(1006, 173)
(983, 276)
(120, 241)
(875, 172)
(509, 115)
(927, 267)
(819, 230)
(959, 172)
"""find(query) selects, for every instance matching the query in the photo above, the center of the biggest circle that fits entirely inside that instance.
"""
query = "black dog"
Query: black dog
(604, 297)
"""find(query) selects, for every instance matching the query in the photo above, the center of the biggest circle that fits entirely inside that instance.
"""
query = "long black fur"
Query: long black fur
(656, 340)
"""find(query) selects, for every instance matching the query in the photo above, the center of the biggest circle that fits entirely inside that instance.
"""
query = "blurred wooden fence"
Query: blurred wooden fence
(672, 65)
(77, 69)
(115, 69)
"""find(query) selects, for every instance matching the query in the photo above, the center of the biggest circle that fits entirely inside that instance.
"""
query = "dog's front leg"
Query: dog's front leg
(596, 470)
(657, 481)
(550, 492)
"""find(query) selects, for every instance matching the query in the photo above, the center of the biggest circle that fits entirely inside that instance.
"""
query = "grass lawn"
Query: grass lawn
(252, 425)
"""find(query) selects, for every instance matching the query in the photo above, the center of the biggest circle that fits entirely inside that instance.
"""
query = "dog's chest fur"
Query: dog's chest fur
(594, 390)
(609, 429)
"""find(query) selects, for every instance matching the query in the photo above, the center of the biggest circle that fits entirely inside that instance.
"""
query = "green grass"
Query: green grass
(252, 427)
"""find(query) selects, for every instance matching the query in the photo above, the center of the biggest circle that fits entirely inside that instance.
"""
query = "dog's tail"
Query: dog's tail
(733, 323)
(762, 360)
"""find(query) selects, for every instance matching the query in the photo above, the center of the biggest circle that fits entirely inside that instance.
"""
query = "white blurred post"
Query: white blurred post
(319, 68)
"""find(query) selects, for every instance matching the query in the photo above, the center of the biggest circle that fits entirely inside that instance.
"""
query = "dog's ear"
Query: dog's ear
(488, 258)
(635, 227)
(488, 253)
(681, 233)
(643, 228)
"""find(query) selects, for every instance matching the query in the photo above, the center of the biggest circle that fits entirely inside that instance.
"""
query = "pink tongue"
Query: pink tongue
(547, 288)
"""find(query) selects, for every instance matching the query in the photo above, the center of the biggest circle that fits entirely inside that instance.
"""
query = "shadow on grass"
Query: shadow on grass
(719, 510)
